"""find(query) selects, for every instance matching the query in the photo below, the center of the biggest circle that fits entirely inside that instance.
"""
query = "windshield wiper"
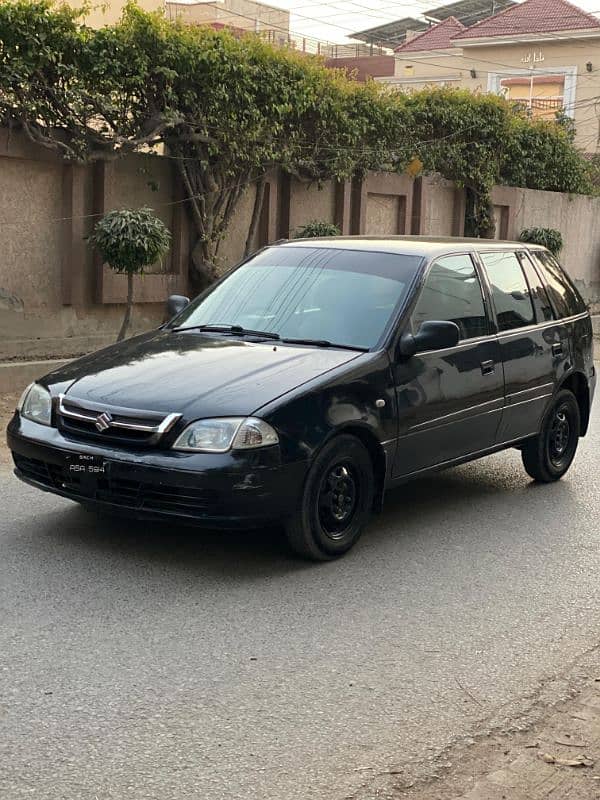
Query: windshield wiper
(235, 329)
(325, 343)
(238, 330)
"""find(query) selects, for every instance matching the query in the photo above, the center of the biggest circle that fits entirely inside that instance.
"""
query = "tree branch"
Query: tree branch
(259, 198)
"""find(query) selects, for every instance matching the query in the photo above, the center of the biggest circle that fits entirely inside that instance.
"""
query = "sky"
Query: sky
(334, 20)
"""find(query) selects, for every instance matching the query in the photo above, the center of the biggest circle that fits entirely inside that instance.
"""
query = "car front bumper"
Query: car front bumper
(237, 489)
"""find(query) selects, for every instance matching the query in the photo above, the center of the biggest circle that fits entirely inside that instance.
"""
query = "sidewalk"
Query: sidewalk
(558, 758)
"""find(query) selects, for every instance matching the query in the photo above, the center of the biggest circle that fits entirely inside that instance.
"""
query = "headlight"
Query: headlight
(225, 433)
(36, 404)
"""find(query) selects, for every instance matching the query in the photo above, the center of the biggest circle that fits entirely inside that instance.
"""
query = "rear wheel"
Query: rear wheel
(336, 502)
(548, 456)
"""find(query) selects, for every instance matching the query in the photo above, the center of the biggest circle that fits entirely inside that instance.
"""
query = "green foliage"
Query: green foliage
(480, 140)
(130, 240)
(228, 109)
(461, 136)
(593, 172)
(316, 228)
(547, 237)
(539, 154)
(567, 123)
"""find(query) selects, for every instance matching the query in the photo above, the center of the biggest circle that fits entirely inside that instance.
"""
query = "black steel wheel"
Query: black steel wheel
(549, 455)
(336, 502)
(338, 498)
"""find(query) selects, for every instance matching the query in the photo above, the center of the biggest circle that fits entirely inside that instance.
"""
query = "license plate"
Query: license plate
(84, 464)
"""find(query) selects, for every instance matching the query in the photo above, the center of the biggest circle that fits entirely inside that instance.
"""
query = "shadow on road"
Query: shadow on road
(453, 503)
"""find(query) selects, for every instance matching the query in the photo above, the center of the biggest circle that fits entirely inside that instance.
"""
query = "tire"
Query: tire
(328, 524)
(548, 456)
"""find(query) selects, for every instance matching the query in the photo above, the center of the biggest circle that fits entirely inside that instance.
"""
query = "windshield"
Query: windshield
(335, 296)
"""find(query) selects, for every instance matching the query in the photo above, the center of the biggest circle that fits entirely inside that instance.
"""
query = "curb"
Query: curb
(16, 375)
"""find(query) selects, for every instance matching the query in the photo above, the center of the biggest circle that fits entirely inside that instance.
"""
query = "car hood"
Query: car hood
(191, 373)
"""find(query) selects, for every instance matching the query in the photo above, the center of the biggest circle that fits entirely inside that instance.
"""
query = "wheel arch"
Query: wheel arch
(376, 452)
(576, 382)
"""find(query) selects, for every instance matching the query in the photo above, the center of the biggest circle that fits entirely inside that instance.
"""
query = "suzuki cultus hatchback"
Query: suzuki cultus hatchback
(313, 377)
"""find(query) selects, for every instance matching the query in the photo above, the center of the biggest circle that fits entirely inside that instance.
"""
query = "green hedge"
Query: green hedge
(228, 109)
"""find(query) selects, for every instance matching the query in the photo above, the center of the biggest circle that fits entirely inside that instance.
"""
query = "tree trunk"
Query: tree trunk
(256, 214)
(127, 320)
(203, 269)
(212, 195)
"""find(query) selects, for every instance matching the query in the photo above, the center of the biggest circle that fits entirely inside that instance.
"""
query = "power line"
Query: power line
(238, 184)
(400, 58)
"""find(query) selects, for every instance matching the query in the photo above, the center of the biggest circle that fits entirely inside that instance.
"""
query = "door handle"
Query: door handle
(487, 367)
(557, 349)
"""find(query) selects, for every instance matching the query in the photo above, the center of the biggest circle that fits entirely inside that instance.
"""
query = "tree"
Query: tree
(228, 109)
(70, 88)
(244, 108)
(129, 241)
(539, 154)
(480, 140)
(461, 136)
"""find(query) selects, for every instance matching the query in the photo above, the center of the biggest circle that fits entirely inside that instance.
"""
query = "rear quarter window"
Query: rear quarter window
(539, 295)
(564, 297)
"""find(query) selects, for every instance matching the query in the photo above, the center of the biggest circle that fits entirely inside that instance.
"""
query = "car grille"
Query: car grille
(140, 495)
(120, 426)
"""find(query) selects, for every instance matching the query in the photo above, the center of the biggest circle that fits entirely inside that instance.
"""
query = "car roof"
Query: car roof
(425, 246)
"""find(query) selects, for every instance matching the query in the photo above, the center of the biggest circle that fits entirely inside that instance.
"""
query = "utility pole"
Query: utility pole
(530, 104)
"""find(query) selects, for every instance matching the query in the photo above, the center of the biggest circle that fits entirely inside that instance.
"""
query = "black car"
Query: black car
(313, 377)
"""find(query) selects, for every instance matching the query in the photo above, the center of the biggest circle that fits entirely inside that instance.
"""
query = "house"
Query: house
(393, 34)
(109, 11)
(383, 39)
(241, 15)
(541, 54)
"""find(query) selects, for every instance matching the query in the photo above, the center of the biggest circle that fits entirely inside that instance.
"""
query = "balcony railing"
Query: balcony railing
(307, 44)
(539, 103)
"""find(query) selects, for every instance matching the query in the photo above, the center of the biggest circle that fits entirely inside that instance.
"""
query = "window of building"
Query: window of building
(541, 95)
(510, 291)
(452, 292)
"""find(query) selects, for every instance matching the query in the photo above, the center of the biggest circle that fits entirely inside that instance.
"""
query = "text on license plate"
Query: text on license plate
(82, 463)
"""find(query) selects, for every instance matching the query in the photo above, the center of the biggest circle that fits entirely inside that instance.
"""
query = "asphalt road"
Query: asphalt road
(142, 661)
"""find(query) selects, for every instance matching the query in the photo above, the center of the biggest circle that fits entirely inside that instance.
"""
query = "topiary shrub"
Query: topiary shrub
(316, 228)
(129, 241)
(547, 237)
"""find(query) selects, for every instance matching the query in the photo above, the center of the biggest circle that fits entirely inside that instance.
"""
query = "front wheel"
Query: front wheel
(548, 456)
(336, 502)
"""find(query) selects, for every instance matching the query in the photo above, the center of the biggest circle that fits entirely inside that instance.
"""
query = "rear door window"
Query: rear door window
(510, 291)
(452, 293)
(563, 295)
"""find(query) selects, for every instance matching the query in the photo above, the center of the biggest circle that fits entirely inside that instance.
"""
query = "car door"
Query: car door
(449, 401)
(533, 345)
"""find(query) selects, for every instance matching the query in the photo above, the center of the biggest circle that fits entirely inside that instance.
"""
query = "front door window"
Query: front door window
(452, 292)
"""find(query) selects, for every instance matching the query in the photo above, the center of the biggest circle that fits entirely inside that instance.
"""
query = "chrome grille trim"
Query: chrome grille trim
(121, 419)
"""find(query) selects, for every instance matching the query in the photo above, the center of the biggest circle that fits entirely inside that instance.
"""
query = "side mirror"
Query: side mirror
(175, 304)
(433, 335)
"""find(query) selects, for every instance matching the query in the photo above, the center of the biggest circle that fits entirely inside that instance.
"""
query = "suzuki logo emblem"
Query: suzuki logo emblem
(103, 421)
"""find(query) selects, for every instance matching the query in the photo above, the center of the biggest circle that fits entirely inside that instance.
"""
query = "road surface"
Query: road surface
(143, 661)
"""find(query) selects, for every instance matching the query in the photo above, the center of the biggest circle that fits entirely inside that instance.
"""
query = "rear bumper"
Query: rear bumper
(242, 489)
